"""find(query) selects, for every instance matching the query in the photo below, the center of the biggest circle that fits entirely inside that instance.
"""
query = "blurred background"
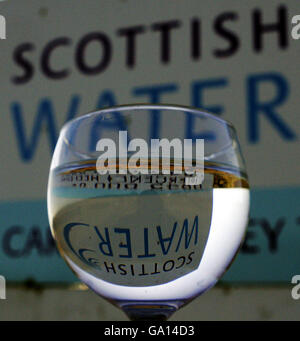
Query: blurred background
(60, 59)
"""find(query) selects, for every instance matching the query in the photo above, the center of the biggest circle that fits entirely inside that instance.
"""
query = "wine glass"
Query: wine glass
(148, 204)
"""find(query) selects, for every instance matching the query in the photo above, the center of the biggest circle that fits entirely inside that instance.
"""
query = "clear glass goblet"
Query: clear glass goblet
(148, 204)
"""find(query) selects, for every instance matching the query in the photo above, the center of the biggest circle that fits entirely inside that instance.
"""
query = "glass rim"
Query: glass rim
(150, 106)
(146, 106)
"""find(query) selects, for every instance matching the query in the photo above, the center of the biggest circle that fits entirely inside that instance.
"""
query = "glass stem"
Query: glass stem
(148, 312)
